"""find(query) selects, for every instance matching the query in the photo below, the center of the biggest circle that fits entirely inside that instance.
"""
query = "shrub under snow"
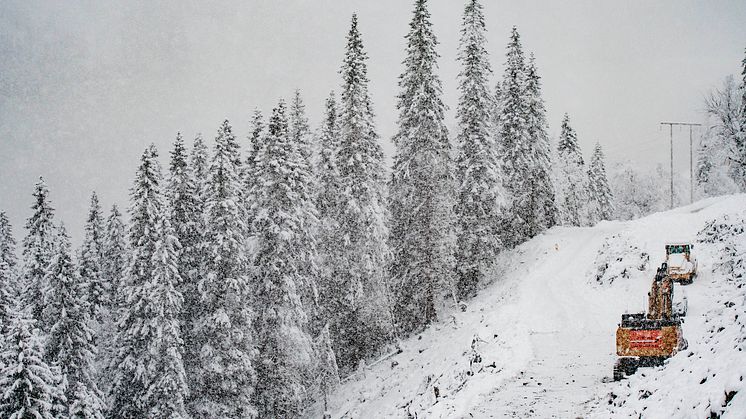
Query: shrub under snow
(619, 258)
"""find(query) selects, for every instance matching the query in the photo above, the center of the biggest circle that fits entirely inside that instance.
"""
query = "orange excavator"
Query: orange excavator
(648, 339)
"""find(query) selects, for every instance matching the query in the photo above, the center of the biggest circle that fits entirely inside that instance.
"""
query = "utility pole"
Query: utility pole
(691, 155)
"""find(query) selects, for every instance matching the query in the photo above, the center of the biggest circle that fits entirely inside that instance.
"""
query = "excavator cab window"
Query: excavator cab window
(674, 249)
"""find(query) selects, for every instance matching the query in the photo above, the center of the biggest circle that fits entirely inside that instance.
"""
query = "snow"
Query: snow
(545, 331)
(679, 263)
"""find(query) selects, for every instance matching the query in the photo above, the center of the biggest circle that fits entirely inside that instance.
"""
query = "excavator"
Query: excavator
(648, 339)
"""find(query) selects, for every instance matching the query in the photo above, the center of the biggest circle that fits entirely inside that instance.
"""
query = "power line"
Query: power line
(691, 154)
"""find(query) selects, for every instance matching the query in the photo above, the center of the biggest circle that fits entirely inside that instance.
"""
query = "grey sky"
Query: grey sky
(86, 85)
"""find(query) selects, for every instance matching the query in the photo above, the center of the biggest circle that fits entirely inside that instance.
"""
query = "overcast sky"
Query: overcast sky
(85, 85)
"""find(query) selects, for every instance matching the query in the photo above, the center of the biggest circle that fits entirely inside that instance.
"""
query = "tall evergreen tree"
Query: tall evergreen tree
(515, 145)
(200, 164)
(149, 376)
(285, 351)
(31, 388)
(420, 201)
(112, 269)
(477, 168)
(249, 174)
(571, 178)
(70, 343)
(255, 141)
(183, 197)
(598, 188)
(326, 167)
(300, 131)
(300, 136)
(357, 294)
(114, 255)
(223, 376)
(199, 161)
(186, 219)
(7, 298)
(330, 247)
(8, 275)
(542, 209)
(91, 262)
(7, 242)
(166, 388)
(38, 246)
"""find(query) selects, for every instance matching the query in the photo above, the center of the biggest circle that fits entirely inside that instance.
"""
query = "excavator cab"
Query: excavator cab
(682, 265)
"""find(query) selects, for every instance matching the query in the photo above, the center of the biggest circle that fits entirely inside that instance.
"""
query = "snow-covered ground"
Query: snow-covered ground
(539, 340)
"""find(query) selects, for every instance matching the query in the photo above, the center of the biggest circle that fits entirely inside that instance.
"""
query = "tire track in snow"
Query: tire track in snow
(554, 299)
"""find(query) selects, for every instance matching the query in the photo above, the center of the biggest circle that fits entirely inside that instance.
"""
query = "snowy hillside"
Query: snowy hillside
(539, 340)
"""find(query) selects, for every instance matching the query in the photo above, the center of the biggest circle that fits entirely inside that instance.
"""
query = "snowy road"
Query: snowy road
(563, 374)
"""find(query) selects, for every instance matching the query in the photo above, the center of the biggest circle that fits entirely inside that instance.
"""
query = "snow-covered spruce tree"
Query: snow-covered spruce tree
(285, 350)
(113, 265)
(421, 185)
(114, 255)
(515, 148)
(222, 380)
(327, 372)
(166, 389)
(300, 136)
(7, 298)
(326, 169)
(8, 275)
(7, 242)
(255, 142)
(249, 171)
(249, 174)
(186, 218)
(477, 170)
(199, 163)
(330, 248)
(70, 342)
(149, 376)
(31, 388)
(598, 188)
(300, 131)
(184, 208)
(358, 303)
(38, 246)
(543, 210)
(91, 261)
(571, 178)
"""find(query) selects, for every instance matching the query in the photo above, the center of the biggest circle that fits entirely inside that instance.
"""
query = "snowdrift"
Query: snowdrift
(538, 341)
